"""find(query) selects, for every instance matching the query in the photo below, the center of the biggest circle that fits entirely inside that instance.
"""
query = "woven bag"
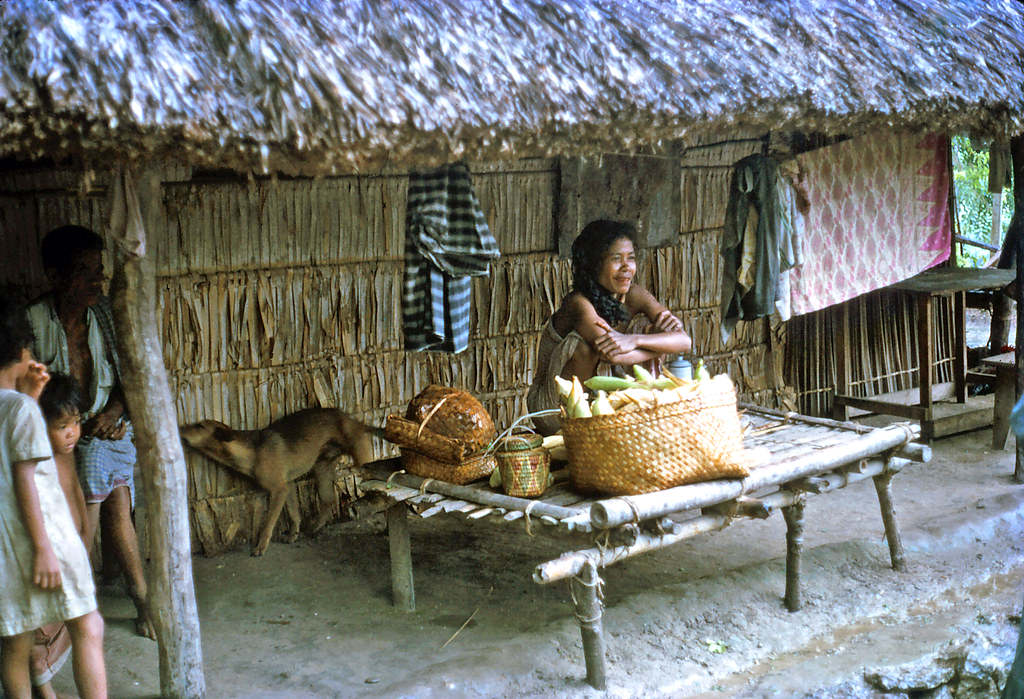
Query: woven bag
(460, 473)
(696, 439)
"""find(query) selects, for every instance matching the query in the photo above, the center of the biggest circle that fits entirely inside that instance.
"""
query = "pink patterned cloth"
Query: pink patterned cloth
(878, 214)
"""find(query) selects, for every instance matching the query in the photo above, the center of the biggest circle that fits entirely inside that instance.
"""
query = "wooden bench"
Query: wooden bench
(799, 456)
(1006, 391)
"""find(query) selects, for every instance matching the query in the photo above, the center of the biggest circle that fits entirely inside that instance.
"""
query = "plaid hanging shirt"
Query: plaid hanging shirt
(447, 241)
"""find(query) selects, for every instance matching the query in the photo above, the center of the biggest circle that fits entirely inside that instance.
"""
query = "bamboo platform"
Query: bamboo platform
(796, 456)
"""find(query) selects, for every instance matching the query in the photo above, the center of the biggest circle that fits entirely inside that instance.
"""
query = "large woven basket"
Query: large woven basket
(459, 473)
(693, 440)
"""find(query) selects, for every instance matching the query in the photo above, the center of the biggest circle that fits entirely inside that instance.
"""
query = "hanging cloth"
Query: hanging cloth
(447, 241)
(750, 243)
(999, 166)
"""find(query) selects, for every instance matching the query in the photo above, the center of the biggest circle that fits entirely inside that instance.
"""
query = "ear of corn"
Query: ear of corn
(608, 383)
(564, 386)
(616, 394)
(701, 373)
(601, 405)
(642, 375)
(581, 408)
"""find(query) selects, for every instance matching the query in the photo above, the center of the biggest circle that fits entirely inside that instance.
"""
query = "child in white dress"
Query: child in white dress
(44, 570)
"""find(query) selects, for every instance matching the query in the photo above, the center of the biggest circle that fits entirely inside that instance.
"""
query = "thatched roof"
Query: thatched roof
(307, 86)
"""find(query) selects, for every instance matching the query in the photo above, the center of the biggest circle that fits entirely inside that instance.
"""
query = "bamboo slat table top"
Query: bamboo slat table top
(776, 440)
(947, 280)
(1006, 359)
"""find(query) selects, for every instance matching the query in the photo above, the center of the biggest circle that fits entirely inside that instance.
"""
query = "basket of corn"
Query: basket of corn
(646, 434)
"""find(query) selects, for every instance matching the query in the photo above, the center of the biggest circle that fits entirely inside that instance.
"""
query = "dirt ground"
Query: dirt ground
(314, 618)
(703, 618)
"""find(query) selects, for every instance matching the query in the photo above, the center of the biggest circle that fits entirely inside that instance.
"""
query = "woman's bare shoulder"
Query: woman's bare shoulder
(640, 300)
(574, 309)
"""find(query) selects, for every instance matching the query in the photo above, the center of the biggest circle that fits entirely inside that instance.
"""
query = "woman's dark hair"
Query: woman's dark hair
(588, 251)
(61, 396)
(15, 333)
(63, 245)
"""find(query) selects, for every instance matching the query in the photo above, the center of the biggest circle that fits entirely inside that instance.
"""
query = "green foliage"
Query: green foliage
(974, 202)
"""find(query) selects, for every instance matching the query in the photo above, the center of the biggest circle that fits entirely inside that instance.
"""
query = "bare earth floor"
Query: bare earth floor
(314, 618)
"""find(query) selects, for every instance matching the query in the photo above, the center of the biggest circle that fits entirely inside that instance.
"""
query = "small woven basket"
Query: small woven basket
(524, 465)
(459, 473)
(628, 453)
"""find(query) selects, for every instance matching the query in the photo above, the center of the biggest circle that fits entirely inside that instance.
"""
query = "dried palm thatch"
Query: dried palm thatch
(316, 87)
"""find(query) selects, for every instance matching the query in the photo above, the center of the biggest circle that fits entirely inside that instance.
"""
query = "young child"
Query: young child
(60, 402)
(44, 571)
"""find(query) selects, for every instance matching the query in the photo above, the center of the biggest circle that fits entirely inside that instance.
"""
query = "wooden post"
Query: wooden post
(172, 603)
(842, 355)
(925, 357)
(1006, 387)
(403, 593)
(960, 345)
(883, 486)
(1015, 242)
(794, 516)
(587, 598)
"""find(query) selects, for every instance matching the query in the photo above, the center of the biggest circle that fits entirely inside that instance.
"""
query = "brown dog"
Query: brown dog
(287, 448)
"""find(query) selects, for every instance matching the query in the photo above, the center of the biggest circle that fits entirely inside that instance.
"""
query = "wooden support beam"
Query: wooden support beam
(588, 598)
(742, 507)
(612, 512)
(1016, 234)
(925, 358)
(892, 531)
(794, 515)
(572, 562)
(172, 603)
(886, 407)
(842, 357)
(960, 345)
(472, 495)
(402, 590)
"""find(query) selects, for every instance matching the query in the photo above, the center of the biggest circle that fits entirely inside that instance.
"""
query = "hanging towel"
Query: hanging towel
(447, 241)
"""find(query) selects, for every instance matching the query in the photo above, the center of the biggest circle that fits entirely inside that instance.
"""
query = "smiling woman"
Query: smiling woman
(586, 335)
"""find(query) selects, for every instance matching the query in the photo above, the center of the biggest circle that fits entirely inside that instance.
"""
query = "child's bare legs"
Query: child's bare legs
(117, 513)
(87, 655)
(14, 652)
(92, 523)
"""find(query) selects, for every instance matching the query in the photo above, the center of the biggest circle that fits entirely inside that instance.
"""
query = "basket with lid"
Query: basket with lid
(524, 464)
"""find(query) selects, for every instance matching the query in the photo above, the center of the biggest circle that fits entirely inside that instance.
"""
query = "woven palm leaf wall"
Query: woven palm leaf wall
(280, 294)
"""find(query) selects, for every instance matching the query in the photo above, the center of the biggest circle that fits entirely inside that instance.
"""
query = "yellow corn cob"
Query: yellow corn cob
(601, 405)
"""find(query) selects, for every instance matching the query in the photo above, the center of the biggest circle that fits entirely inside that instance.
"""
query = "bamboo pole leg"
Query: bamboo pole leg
(794, 516)
(402, 592)
(883, 486)
(587, 596)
